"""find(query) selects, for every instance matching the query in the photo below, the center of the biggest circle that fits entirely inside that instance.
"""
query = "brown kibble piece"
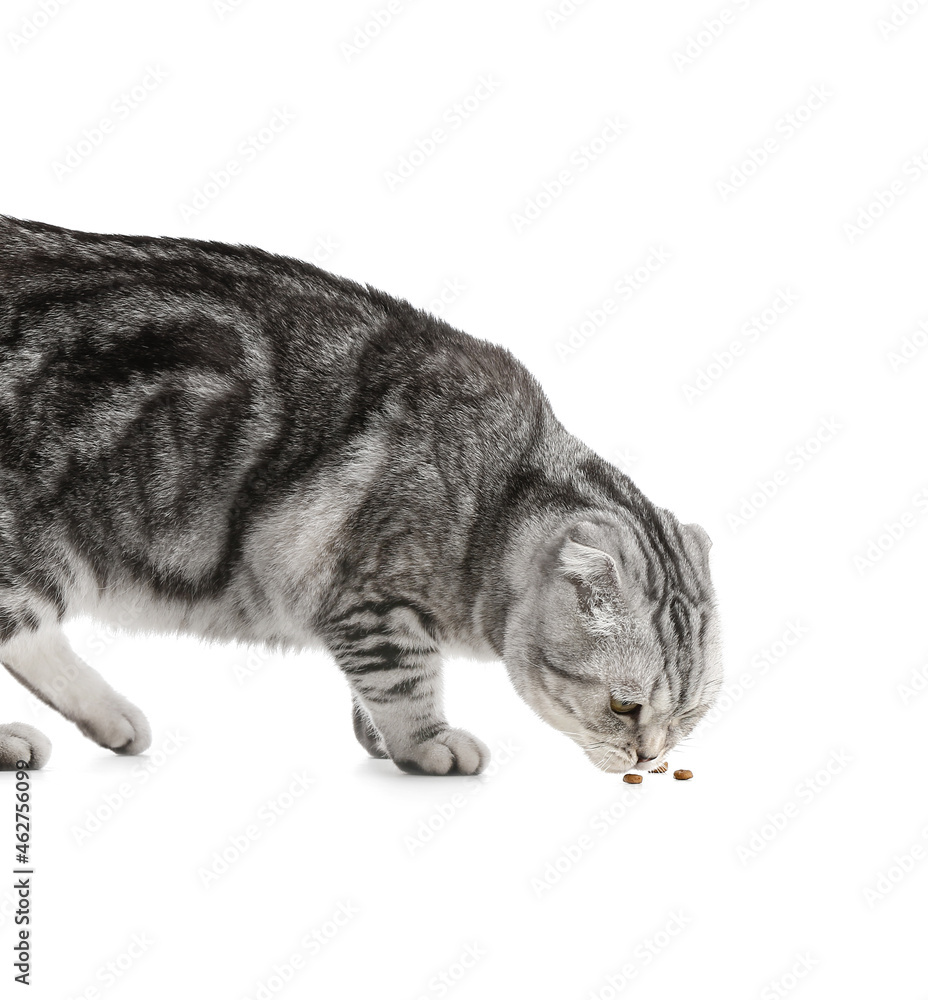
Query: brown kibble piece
(659, 770)
(632, 779)
(683, 775)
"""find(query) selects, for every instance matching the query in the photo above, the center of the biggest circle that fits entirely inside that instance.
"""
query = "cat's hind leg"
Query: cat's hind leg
(42, 660)
(21, 742)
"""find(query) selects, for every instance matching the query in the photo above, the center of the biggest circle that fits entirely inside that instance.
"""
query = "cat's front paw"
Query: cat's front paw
(452, 751)
(19, 741)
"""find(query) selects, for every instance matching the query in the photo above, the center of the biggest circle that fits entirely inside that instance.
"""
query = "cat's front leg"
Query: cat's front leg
(365, 731)
(394, 669)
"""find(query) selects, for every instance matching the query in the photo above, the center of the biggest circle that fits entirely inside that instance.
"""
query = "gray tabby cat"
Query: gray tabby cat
(213, 440)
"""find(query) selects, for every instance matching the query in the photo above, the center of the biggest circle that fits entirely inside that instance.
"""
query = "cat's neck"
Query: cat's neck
(577, 486)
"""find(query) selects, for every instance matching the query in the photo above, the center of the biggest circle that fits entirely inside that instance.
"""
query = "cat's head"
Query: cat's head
(615, 639)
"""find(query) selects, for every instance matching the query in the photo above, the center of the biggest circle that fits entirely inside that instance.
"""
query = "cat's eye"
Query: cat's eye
(622, 707)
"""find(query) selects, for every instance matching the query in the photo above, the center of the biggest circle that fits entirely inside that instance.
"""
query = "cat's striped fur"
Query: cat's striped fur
(214, 440)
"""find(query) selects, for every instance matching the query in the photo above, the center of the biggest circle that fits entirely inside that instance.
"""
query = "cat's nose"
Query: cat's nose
(646, 760)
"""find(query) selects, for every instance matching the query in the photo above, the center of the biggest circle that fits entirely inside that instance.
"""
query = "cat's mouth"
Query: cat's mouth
(615, 761)
(602, 754)
(609, 758)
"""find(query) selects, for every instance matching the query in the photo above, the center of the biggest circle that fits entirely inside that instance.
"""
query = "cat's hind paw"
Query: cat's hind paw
(20, 741)
(452, 751)
(118, 726)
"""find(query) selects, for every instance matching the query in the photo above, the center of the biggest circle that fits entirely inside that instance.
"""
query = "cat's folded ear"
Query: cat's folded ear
(699, 534)
(595, 578)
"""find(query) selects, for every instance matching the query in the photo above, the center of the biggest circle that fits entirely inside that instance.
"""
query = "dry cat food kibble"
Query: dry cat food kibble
(632, 779)
(659, 770)
(683, 775)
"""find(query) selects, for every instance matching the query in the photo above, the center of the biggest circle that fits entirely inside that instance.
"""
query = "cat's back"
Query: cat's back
(95, 318)
(156, 388)
(98, 333)
(159, 397)
(47, 269)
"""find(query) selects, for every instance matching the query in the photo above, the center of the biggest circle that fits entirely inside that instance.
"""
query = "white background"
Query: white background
(761, 877)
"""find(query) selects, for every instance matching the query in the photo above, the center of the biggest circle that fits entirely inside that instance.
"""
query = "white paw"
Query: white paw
(19, 741)
(118, 726)
(453, 751)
